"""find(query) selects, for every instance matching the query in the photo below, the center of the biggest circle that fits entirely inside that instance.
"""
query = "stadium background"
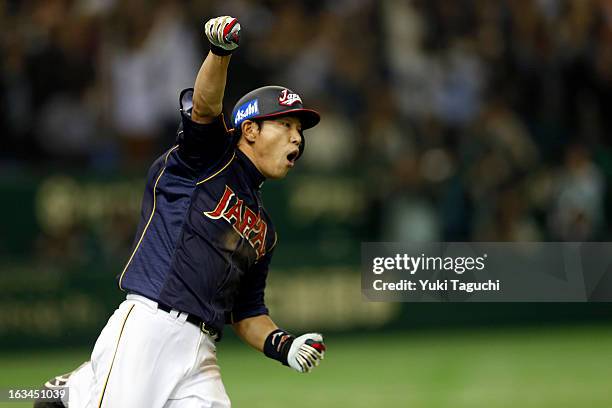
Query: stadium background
(442, 121)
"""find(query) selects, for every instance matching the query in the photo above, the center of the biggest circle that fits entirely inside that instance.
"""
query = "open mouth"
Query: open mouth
(292, 157)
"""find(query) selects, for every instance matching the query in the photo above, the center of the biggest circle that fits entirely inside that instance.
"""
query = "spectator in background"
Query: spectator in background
(577, 212)
(67, 124)
(151, 55)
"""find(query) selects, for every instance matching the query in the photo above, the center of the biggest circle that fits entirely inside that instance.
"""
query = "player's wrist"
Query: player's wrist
(277, 345)
(218, 51)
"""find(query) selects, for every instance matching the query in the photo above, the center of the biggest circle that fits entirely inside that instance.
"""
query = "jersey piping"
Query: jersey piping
(222, 168)
(144, 231)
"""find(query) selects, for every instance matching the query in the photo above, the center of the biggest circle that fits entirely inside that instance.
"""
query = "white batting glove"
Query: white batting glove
(306, 352)
(223, 33)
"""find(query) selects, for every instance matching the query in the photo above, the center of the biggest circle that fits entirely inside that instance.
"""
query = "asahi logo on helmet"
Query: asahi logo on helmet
(288, 98)
(245, 111)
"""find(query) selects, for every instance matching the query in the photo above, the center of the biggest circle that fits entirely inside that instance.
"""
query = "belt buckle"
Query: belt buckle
(206, 330)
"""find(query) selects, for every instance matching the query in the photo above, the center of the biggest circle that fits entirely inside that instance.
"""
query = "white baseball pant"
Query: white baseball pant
(146, 357)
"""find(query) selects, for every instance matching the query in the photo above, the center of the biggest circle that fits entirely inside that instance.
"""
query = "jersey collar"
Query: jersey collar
(254, 177)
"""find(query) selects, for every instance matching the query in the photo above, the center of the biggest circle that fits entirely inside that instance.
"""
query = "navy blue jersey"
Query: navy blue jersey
(204, 242)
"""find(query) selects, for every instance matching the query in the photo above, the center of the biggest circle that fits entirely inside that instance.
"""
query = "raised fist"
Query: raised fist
(223, 33)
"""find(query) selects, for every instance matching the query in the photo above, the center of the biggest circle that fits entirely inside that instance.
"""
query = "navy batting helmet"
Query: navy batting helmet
(273, 101)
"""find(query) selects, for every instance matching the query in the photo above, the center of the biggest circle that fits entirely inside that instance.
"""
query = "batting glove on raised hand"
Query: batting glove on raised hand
(306, 352)
(223, 33)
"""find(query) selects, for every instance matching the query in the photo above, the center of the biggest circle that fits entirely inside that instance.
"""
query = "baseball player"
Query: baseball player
(202, 250)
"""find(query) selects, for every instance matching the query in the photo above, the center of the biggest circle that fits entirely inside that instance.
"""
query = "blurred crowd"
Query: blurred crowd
(465, 119)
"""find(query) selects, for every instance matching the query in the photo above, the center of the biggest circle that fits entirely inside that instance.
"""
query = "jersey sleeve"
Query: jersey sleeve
(249, 301)
(201, 146)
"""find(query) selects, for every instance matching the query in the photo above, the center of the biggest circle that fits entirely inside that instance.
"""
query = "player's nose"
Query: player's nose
(296, 137)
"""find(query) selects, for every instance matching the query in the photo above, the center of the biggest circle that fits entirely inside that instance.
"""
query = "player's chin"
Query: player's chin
(279, 175)
(280, 172)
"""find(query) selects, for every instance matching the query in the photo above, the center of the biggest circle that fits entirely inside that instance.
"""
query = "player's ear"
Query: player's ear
(250, 130)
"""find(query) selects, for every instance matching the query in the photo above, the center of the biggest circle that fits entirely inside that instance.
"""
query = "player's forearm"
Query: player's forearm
(255, 330)
(209, 88)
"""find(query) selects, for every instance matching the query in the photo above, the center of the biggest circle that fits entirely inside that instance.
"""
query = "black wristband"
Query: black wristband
(219, 51)
(277, 345)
